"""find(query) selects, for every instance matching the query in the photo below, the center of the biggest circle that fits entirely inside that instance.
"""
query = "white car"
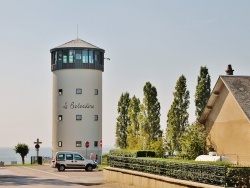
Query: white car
(72, 160)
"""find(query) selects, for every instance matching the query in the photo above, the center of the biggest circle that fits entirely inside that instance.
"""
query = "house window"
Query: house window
(78, 143)
(60, 91)
(96, 91)
(95, 143)
(78, 117)
(96, 117)
(60, 118)
(78, 91)
(59, 143)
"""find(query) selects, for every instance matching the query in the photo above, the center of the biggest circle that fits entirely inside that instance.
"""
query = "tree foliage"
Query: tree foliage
(193, 141)
(150, 115)
(22, 149)
(134, 129)
(177, 117)
(122, 121)
(203, 90)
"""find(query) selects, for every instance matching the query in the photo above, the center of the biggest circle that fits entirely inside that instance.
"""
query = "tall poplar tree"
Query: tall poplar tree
(177, 117)
(122, 121)
(134, 129)
(202, 92)
(150, 116)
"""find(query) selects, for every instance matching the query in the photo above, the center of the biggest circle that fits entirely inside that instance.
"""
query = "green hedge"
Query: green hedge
(222, 175)
(238, 177)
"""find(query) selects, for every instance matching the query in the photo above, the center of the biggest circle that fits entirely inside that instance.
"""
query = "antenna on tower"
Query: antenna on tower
(77, 31)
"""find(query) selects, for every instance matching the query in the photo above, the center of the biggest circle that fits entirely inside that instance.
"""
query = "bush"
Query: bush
(145, 154)
(131, 153)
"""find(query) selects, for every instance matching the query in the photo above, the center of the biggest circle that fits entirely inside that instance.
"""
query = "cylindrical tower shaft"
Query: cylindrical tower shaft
(77, 68)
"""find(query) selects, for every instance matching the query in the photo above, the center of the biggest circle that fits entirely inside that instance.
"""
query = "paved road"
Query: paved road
(46, 177)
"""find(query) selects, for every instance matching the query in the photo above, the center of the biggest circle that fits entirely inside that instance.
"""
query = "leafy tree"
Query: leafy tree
(134, 129)
(159, 147)
(203, 90)
(177, 116)
(193, 141)
(150, 115)
(122, 121)
(22, 149)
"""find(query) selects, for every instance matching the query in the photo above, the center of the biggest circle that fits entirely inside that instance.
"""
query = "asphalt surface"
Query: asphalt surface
(43, 176)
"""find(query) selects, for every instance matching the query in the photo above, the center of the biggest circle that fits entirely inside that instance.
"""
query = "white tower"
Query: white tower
(77, 68)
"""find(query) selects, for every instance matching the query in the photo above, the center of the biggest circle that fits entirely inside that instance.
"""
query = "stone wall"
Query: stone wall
(139, 179)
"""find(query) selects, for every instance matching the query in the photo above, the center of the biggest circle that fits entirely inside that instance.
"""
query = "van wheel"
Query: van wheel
(89, 168)
(61, 168)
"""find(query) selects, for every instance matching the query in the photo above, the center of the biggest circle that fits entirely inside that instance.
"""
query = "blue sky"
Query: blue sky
(153, 41)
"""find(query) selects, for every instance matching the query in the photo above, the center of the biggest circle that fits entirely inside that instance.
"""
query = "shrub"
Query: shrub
(131, 153)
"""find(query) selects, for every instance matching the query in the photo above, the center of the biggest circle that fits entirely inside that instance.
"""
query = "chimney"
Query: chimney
(229, 70)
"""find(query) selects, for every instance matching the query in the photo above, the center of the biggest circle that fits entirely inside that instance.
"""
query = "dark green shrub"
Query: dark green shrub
(131, 153)
(145, 154)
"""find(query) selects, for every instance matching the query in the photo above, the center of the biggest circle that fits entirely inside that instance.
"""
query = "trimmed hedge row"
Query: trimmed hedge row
(203, 173)
(238, 177)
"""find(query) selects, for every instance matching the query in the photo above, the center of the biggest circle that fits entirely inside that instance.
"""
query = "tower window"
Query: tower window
(91, 56)
(71, 56)
(60, 117)
(95, 143)
(78, 143)
(97, 57)
(101, 58)
(55, 59)
(78, 56)
(78, 91)
(78, 117)
(85, 56)
(59, 143)
(65, 56)
(59, 55)
(60, 91)
(96, 91)
(96, 117)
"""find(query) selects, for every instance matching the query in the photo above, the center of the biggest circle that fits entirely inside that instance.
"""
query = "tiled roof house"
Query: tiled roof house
(227, 118)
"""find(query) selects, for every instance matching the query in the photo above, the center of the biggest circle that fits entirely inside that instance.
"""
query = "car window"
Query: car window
(78, 157)
(60, 156)
(69, 157)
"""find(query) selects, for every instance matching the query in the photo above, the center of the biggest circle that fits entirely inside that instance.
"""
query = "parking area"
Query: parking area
(45, 176)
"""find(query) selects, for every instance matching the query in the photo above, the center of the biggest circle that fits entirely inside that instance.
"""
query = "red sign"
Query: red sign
(101, 143)
(87, 144)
